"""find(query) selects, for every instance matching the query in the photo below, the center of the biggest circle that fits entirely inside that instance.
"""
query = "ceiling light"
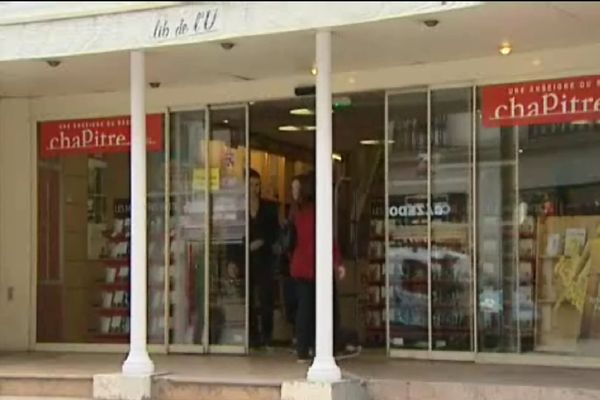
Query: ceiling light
(505, 49)
(302, 111)
(520, 151)
(225, 121)
(373, 142)
(289, 128)
(227, 45)
(313, 70)
(430, 23)
(309, 128)
(537, 62)
(351, 80)
(336, 157)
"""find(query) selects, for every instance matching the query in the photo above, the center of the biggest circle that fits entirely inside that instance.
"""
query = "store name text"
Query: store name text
(96, 136)
(548, 102)
(194, 23)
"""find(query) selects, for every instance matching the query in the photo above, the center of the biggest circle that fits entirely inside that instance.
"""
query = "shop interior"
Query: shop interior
(282, 140)
(84, 223)
(543, 297)
(537, 203)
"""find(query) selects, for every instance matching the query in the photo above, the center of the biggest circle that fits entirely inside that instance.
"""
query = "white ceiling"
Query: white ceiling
(461, 34)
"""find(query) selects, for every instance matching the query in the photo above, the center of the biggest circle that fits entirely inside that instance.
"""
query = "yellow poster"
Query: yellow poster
(199, 179)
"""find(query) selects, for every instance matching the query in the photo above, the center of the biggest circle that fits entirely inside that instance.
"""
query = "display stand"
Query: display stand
(113, 311)
(567, 254)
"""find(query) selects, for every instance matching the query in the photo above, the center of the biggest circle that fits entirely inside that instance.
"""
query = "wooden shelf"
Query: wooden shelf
(113, 312)
(116, 263)
(115, 286)
(121, 237)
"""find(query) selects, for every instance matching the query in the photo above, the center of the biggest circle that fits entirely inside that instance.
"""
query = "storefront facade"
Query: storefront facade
(486, 251)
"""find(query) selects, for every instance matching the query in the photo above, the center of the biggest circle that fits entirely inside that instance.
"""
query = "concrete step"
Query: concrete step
(42, 398)
(168, 389)
(416, 390)
(46, 387)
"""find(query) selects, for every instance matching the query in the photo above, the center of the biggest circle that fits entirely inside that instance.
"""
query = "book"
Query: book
(553, 245)
(574, 241)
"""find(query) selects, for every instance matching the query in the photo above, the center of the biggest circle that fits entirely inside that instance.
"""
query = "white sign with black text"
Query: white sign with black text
(179, 23)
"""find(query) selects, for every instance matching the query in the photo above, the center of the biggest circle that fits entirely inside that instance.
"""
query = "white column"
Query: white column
(324, 368)
(138, 362)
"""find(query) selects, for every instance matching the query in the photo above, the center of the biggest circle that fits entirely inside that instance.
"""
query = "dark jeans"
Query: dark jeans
(261, 312)
(290, 299)
(305, 317)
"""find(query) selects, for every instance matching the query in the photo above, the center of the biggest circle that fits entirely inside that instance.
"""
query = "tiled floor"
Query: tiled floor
(280, 366)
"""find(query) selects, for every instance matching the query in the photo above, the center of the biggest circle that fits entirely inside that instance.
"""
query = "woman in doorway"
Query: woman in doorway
(264, 226)
(286, 245)
(303, 267)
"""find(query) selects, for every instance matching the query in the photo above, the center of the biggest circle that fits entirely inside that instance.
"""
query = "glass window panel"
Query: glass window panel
(227, 264)
(451, 267)
(497, 237)
(188, 228)
(408, 254)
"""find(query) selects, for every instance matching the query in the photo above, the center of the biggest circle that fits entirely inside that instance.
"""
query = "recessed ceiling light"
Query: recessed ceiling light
(336, 157)
(536, 62)
(302, 111)
(313, 70)
(289, 128)
(352, 80)
(505, 49)
(431, 23)
(373, 142)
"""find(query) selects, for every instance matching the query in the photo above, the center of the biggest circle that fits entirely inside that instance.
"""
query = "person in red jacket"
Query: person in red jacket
(303, 268)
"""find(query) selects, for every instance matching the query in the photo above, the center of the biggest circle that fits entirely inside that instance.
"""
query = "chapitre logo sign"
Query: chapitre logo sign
(542, 102)
(96, 136)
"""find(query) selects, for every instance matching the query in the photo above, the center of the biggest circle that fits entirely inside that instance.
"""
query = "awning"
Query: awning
(68, 33)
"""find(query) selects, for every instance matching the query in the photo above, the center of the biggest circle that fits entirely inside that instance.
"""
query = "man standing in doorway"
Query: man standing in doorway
(264, 227)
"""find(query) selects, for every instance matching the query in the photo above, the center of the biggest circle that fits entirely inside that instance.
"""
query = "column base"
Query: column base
(138, 364)
(122, 387)
(340, 390)
(324, 370)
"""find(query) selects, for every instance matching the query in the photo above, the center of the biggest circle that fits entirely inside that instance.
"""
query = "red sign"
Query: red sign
(96, 136)
(542, 102)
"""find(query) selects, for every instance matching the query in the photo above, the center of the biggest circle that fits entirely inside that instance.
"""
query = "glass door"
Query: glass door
(208, 230)
(227, 260)
(428, 222)
(407, 223)
(188, 233)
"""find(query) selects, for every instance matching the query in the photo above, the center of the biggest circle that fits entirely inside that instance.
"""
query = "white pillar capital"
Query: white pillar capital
(138, 361)
(324, 368)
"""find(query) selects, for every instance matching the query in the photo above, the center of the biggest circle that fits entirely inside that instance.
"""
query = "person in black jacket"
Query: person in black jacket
(264, 230)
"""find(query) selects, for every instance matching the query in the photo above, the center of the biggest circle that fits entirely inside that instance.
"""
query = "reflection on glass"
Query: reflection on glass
(187, 227)
(156, 226)
(84, 247)
(497, 238)
(558, 247)
(227, 265)
(408, 253)
(451, 277)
